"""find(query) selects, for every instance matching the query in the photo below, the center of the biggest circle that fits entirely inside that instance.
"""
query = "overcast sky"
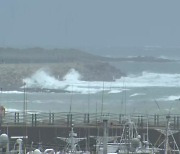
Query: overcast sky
(89, 23)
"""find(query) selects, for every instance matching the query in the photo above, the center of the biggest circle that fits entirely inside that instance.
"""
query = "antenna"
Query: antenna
(147, 129)
(102, 105)
(24, 103)
(168, 132)
(155, 101)
(125, 99)
(25, 112)
(124, 96)
(88, 97)
(157, 104)
(70, 108)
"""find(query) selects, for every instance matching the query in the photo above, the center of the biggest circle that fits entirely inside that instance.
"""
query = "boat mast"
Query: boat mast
(105, 121)
(71, 135)
(166, 134)
(147, 130)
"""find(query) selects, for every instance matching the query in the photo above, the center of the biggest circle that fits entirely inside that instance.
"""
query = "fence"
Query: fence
(88, 119)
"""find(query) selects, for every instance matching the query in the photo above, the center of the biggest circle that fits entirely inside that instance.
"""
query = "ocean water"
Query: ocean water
(147, 88)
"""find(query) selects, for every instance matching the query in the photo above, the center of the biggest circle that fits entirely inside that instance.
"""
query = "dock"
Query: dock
(46, 127)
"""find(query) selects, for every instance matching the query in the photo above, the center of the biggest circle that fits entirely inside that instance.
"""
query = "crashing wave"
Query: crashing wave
(72, 82)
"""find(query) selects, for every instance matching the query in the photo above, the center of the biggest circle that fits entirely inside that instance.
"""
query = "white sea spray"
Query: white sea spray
(72, 82)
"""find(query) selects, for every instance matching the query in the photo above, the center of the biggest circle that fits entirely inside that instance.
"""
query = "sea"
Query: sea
(148, 88)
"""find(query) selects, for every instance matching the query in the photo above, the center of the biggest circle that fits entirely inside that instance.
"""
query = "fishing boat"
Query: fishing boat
(4, 145)
(129, 142)
(72, 146)
(167, 146)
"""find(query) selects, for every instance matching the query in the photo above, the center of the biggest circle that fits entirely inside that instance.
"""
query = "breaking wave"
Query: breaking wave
(42, 79)
(12, 92)
(72, 76)
(72, 82)
(148, 79)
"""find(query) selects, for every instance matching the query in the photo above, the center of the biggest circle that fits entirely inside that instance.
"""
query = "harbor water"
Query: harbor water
(147, 88)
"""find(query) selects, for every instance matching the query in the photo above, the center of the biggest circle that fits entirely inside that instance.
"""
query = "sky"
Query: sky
(89, 23)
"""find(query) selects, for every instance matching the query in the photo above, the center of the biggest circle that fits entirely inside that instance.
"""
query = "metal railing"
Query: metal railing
(88, 119)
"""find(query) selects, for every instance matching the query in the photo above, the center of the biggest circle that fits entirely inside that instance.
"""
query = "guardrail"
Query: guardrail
(88, 119)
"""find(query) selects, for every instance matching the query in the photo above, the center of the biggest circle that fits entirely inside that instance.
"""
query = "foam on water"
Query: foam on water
(148, 79)
(115, 91)
(137, 94)
(42, 79)
(71, 82)
(169, 98)
(12, 92)
(72, 76)
(12, 110)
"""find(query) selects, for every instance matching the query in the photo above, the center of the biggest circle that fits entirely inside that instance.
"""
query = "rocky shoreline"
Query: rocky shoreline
(19, 64)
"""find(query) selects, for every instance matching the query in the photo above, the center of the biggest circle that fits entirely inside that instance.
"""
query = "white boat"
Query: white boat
(130, 142)
(72, 146)
(4, 145)
(164, 146)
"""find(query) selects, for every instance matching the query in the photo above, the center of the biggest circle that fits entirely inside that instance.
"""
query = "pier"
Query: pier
(60, 119)
(46, 127)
